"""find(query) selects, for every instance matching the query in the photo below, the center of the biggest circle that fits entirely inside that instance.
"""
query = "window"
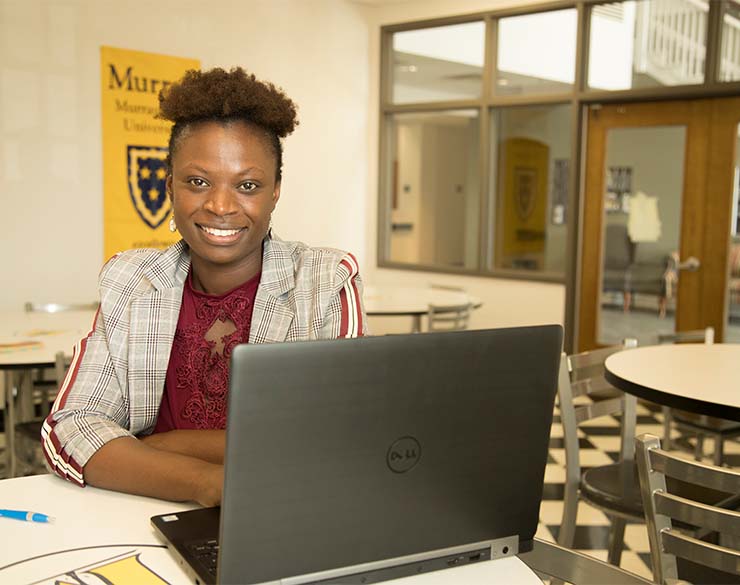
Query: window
(438, 64)
(477, 160)
(435, 204)
(647, 44)
(551, 68)
(532, 179)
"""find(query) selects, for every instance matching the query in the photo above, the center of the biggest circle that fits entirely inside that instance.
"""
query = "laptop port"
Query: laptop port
(475, 557)
(456, 561)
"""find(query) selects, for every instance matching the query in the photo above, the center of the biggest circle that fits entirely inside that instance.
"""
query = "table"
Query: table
(414, 302)
(696, 377)
(41, 336)
(103, 533)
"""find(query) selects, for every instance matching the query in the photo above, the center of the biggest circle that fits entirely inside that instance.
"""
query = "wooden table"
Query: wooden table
(29, 341)
(414, 302)
(99, 533)
(696, 377)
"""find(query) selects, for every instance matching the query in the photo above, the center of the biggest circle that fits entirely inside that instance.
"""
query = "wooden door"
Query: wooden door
(676, 160)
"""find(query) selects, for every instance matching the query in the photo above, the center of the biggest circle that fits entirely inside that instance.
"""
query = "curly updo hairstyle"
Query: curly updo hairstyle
(228, 96)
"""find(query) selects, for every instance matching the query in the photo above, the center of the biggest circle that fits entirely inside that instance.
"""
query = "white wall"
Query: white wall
(50, 133)
(505, 302)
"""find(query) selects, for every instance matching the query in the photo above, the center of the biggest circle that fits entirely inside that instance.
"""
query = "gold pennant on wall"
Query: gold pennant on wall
(135, 205)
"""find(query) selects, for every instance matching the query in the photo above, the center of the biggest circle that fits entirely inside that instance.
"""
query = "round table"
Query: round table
(414, 302)
(700, 378)
(29, 341)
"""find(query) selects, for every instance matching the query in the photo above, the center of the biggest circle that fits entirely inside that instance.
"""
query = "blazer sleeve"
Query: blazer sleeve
(89, 410)
(345, 314)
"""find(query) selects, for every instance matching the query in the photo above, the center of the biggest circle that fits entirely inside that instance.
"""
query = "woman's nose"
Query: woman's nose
(221, 201)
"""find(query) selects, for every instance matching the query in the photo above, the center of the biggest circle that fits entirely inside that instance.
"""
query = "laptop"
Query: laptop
(363, 460)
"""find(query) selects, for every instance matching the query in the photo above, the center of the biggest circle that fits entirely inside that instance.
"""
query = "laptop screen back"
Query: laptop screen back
(350, 451)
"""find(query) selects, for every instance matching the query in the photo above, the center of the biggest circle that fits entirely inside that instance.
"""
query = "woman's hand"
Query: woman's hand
(211, 489)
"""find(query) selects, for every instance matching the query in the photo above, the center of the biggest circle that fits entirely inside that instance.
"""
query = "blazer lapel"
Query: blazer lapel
(154, 317)
(274, 307)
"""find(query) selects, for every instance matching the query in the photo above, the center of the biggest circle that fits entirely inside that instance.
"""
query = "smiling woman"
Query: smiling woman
(143, 407)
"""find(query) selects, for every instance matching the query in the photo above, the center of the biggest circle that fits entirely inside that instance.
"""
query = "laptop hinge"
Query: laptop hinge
(413, 564)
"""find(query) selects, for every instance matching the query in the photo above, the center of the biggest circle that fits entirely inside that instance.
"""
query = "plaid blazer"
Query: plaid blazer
(115, 382)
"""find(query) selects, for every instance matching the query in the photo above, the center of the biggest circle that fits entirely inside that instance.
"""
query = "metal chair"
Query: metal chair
(662, 507)
(28, 458)
(448, 317)
(610, 488)
(551, 560)
(697, 424)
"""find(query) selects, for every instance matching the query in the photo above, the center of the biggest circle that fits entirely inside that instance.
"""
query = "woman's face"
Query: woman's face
(223, 192)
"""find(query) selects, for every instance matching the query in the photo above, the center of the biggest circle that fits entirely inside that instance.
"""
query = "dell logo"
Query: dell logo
(403, 454)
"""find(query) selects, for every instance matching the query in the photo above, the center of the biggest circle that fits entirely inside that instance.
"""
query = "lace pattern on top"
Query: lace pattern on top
(204, 347)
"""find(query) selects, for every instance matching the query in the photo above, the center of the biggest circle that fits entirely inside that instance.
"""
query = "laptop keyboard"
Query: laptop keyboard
(206, 551)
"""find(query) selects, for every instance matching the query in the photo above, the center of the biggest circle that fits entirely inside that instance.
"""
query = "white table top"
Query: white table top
(107, 533)
(692, 376)
(46, 334)
(397, 300)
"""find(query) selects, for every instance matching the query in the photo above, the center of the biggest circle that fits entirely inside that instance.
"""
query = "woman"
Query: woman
(143, 407)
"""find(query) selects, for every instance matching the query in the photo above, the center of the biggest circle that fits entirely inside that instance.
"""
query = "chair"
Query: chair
(552, 560)
(662, 507)
(611, 488)
(28, 455)
(698, 424)
(448, 317)
(47, 388)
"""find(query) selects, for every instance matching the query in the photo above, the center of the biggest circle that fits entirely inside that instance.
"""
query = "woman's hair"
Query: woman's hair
(228, 96)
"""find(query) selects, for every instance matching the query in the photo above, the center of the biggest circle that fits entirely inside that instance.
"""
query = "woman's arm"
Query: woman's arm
(129, 465)
(207, 445)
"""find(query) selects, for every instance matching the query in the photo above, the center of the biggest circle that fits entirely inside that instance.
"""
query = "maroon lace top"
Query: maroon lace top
(197, 380)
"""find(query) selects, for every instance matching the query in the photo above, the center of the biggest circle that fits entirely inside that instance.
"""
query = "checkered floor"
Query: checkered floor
(599, 445)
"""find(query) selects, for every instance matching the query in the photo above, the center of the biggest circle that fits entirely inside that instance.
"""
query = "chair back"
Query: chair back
(661, 507)
(582, 375)
(448, 317)
(58, 307)
(705, 335)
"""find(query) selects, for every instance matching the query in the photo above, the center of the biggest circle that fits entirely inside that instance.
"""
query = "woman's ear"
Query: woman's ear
(168, 186)
(276, 194)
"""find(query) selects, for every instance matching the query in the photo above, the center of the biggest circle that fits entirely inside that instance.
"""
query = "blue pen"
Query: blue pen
(26, 516)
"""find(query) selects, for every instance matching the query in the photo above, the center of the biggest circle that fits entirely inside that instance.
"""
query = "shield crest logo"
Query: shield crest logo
(146, 183)
(525, 184)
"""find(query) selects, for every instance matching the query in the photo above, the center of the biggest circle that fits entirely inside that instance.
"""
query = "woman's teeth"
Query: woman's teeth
(218, 232)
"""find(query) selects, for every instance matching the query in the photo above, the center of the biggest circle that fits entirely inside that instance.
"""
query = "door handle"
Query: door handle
(691, 264)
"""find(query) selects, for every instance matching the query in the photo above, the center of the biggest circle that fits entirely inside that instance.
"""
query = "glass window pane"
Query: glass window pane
(729, 64)
(647, 43)
(532, 146)
(435, 194)
(644, 170)
(438, 64)
(536, 53)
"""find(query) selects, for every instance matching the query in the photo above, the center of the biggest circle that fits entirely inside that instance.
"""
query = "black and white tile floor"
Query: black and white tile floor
(599, 445)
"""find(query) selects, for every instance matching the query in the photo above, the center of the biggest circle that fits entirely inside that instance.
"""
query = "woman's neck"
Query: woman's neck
(217, 279)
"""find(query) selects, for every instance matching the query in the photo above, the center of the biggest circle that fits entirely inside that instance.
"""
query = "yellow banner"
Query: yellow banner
(135, 207)
(523, 211)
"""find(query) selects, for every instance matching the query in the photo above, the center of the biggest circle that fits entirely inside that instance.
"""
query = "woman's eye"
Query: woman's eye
(197, 182)
(248, 186)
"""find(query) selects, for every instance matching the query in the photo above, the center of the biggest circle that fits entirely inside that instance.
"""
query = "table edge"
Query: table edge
(695, 405)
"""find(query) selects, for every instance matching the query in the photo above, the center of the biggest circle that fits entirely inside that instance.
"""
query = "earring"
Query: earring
(173, 225)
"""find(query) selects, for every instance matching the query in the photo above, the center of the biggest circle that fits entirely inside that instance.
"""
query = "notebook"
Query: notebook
(363, 460)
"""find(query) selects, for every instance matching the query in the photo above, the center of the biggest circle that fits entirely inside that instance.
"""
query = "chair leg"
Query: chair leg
(667, 420)
(616, 541)
(567, 533)
(719, 447)
(699, 449)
